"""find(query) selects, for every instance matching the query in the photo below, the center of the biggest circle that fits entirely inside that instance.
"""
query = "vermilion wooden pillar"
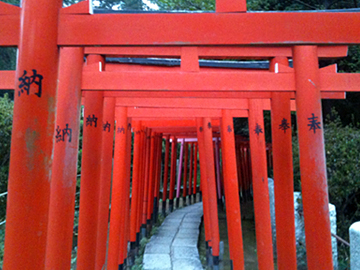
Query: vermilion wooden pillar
(195, 170)
(157, 178)
(231, 188)
(166, 174)
(283, 176)
(90, 172)
(151, 179)
(186, 155)
(32, 136)
(203, 182)
(107, 145)
(211, 189)
(142, 183)
(218, 171)
(260, 186)
(312, 158)
(191, 172)
(63, 182)
(125, 206)
(172, 173)
(118, 187)
(135, 196)
(146, 182)
(179, 170)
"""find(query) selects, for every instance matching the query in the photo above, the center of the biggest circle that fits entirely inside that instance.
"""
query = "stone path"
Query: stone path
(174, 246)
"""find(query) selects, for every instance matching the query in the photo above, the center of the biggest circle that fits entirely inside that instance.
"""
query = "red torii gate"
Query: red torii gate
(33, 133)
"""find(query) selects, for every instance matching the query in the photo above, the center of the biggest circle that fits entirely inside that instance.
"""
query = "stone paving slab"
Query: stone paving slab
(182, 264)
(157, 262)
(174, 246)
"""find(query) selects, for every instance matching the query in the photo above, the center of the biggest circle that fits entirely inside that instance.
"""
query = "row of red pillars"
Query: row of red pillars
(32, 148)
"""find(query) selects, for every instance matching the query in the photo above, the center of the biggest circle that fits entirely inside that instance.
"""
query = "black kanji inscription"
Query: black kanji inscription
(258, 129)
(229, 129)
(314, 124)
(90, 120)
(67, 132)
(58, 135)
(121, 130)
(27, 81)
(62, 133)
(284, 125)
(107, 126)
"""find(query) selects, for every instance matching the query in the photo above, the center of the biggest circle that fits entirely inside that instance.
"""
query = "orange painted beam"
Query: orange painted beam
(217, 29)
(241, 52)
(192, 81)
(218, 94)
(212, 81)
(180, 113)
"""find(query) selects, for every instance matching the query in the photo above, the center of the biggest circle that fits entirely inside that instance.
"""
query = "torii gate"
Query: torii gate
(33, 132)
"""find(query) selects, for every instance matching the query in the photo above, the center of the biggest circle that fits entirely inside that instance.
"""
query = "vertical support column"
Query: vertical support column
(146, 183)
(231, 191)
(186, 154)
(32, 136)
(166, 174)
(142, 184)
(172, 173)
(218, 177)
(195, 170)
(157, 179)
(178, 183)
(191, 172)
(260, 186)
(63, 182)
(312, 158)
(135, 195)
(211, 189)
(125, 207)
(118, 187)
(203, 182)
(283, 176)
(150, 199)
(105, 179)
(90, 172)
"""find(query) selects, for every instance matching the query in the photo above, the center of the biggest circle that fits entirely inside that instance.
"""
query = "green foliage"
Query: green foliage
(342, 147)
(185, 4)
(6, 116)
(287, 5)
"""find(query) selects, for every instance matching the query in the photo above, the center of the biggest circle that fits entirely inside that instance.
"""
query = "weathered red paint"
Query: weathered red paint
(63, 182)
(107, 143)
(118, 195)
(260, 186)
(283, 177)
(90, 173)
(231, 191)
(32, 135)
(312, 159)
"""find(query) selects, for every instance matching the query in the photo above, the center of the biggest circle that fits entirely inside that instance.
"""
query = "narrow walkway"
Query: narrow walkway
(174, 246)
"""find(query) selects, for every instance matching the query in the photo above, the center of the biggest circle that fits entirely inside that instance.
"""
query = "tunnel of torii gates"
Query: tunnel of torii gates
(52, 78)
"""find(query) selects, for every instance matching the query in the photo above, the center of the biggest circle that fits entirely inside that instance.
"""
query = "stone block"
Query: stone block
(355, 246)
(157, 248)
(182, 264)
(185, 242)
(184, 252)
(157, 262)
